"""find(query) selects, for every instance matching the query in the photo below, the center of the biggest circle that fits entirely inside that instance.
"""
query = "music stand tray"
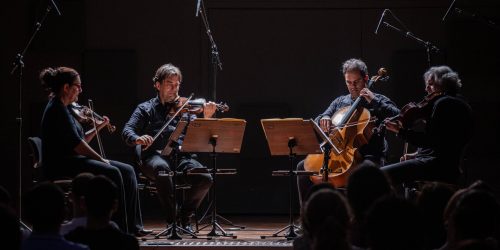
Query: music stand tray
(228, 133)
(210, 135)
(291, 136)
(279, 131)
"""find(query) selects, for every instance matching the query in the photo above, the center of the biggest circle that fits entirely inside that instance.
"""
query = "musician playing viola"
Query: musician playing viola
(146, 121)
(356, 78)
(65, 148)
(448, 128)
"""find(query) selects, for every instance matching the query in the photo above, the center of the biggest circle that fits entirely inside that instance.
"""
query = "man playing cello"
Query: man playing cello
(356, 79)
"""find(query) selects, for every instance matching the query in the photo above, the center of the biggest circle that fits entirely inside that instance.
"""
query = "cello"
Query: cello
(351, 128)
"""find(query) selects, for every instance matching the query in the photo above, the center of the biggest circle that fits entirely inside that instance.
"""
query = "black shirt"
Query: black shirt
(60, 133)
(448, 129)
(148, 118)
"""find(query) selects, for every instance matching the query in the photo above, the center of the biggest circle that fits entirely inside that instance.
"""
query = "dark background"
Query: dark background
(280, 58)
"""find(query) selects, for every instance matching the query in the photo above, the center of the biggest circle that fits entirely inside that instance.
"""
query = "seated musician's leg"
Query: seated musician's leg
(113, 173)
(407, 171)
(153, 168)
(200, 185)
(131, 195)
(304, 183)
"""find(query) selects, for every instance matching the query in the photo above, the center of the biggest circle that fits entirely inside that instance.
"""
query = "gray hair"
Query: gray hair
(445, 77)
(354, 64)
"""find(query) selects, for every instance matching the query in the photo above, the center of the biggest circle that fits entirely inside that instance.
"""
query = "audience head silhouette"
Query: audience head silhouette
(394, 224)
(102, 197)
(44, 205)
(326, 220)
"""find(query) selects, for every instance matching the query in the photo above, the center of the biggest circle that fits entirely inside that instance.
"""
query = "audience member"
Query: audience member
(44, 209)
(10, 233)
(365, 185)
(79, 187)
(394, 224)
(431, 202)
(326, 220)
(476, 216)
(101, 202)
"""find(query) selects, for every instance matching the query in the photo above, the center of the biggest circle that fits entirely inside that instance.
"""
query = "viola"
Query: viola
(412, 112)
(86, 115)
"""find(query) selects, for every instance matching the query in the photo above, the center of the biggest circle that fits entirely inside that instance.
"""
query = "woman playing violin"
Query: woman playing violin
(448, 128)
(146, 121)
(356, 78)
(65, 148)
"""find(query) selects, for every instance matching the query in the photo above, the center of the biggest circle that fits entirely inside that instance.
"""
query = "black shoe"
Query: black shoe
(143, 232)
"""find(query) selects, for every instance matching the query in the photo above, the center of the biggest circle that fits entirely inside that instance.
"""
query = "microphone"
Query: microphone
(55, 7)
(380, 21)
(449, 9)
(198, 7)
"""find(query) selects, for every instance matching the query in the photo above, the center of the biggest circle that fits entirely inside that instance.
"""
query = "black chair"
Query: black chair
(38, 175)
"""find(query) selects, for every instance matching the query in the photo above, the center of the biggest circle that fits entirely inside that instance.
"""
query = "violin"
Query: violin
(86, 115)
(412, 112)
(183, 105)
(194, 106)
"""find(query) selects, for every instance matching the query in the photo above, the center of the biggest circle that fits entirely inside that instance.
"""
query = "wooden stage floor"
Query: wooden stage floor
(246, 238)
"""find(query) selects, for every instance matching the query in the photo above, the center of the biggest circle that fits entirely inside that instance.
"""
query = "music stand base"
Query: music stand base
(213, 233)
(173, 233)
(290, 235)
(224, 221)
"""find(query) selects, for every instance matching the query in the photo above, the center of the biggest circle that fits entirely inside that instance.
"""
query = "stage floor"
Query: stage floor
(248, 237)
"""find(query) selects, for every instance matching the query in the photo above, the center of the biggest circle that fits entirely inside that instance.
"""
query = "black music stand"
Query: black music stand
(291, 137)
(172, 148)
(214, 136)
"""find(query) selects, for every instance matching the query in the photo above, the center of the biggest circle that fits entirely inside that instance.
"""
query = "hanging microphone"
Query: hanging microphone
(449, 9)
(198, 7)
(55, 7)
(380, 21)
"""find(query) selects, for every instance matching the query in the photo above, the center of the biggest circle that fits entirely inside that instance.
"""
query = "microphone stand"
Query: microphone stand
(214, 55)
(429, 47)
(19, 64)
(216, 66)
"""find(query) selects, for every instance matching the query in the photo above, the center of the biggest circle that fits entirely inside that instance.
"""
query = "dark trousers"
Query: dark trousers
(200, 184)
(304, 183)
(123, 175)
(428, 168)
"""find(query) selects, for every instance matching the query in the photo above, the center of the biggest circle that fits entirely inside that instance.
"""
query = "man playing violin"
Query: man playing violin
(146, 121)
(356, 79)
(66, 151)
(448, 128)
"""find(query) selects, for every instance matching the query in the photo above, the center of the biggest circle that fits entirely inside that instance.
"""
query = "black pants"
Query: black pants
(304, 183)
(123, 175)
(200, 184)
(427, 168)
